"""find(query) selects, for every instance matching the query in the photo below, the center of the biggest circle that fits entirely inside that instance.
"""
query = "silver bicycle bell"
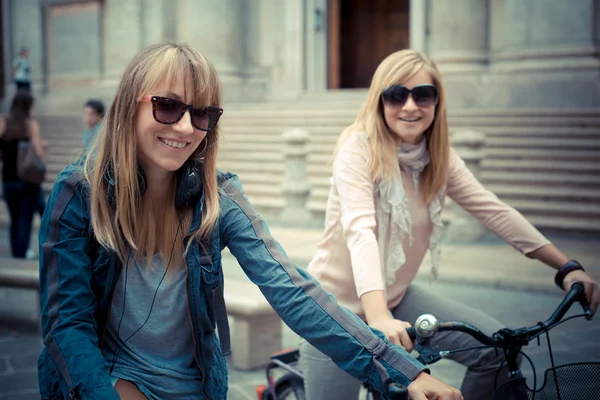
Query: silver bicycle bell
(426, 325)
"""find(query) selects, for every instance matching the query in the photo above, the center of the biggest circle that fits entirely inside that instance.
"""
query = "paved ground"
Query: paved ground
(488, 275)
(20, 342)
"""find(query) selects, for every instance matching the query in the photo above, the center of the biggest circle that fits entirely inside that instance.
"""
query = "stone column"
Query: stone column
(215, 27)
(26, 27)
(463, 227)
(122, 36)
(288, 72)
(316, 45)
(457, 42)
(7, 55)
(544, 53)
(458, 35)
(223, 31)
(296, 188)
(418, 25)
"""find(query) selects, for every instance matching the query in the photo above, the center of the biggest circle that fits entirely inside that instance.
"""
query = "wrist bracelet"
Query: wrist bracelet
(563, 271)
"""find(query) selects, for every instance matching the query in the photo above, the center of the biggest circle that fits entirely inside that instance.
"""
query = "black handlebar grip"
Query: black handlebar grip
(396, 392)
(587, 310)
(412, 332)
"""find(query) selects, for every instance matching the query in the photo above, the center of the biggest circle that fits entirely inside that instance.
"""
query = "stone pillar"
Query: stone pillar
(296, 188)
(418, 25)
(26, 26)
(157, 21)
(215, 28)
(457, 42)
(222, 30)
(287, 72)
(464, 228)
(122, 36)
(544, 53)
(316, 45)
(7, 54)
(458, 35)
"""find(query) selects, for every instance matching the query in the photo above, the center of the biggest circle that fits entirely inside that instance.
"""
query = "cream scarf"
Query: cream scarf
(394, 221)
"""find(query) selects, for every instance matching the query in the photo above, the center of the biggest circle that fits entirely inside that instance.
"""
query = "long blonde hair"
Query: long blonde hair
(396, 68)
(135, 224)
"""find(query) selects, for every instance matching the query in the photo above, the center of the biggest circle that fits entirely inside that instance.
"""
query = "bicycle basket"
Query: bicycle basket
(580, 381)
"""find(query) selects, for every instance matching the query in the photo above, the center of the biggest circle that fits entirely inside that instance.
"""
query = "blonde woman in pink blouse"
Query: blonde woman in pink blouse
(391, 172)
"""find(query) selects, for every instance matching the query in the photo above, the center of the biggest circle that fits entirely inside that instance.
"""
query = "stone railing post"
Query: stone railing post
(295, 185)
(463, 227)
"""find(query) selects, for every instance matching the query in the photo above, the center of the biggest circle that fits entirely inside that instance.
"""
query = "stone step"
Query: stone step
(586, 197)
(547, 166)
(566, 223)
(579, 209)
(235, 149)
(496, 136)
(542, 154)
(239, 166)
(547, 143)
(555, 178)
(588, 194)
(257, 134)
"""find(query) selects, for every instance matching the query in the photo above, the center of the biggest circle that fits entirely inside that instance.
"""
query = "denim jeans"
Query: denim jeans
(22, 201)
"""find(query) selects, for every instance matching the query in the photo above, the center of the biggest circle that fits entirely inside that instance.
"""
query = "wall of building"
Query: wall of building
(493, 53)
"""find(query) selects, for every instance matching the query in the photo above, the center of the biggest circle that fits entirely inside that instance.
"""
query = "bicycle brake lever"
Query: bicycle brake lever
(426, 354)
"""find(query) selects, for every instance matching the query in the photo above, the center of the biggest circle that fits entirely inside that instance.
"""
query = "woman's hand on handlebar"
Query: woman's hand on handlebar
(395, 331)
(426, 387)
(590, 286)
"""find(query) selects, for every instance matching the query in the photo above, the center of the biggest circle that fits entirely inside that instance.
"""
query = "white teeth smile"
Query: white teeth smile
(171, 143)
(409, 119)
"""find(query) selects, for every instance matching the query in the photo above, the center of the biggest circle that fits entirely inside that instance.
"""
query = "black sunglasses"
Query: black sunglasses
(169, 111)
(423, 95)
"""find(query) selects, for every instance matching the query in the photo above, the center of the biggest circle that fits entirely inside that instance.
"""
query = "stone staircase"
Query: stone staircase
(546, 163)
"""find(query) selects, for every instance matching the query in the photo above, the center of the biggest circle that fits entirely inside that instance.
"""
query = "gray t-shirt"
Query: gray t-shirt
(159, 358)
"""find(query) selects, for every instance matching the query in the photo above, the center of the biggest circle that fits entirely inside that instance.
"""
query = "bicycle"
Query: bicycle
(290, 385)
(565, 382)
(511, 341)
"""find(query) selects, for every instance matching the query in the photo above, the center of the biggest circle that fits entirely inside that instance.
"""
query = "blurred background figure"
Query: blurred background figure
(21, 70)
(22, 198)
(93, 112)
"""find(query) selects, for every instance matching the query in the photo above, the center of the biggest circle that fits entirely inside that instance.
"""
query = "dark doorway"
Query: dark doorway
(361, 34)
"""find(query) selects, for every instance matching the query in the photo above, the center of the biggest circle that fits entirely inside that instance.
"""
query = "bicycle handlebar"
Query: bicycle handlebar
(427, 325)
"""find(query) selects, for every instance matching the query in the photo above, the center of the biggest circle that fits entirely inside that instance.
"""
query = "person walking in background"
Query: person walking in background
(93, 112)
(21, 70)
(22, 198)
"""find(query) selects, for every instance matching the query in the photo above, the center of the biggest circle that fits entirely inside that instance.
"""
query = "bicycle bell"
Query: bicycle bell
(426, 325)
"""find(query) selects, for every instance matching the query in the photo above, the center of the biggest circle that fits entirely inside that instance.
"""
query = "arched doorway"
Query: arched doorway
(362, 33)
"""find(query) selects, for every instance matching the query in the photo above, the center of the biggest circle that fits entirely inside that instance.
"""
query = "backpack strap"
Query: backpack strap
(221, 319)
(219, 307)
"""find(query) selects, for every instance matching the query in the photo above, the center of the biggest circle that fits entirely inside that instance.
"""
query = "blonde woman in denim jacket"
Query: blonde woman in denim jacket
(131, 255)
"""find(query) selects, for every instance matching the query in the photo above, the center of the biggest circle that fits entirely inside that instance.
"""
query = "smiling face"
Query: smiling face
(164, 148)
(409, 122)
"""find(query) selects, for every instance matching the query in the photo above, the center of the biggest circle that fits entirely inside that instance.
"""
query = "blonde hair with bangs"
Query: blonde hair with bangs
(136, 224)
(399, 67)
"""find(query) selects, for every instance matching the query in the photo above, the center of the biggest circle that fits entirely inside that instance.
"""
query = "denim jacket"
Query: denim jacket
(77, 279)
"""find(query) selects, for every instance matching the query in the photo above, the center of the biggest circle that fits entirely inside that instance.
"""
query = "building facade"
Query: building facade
(493, 53)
